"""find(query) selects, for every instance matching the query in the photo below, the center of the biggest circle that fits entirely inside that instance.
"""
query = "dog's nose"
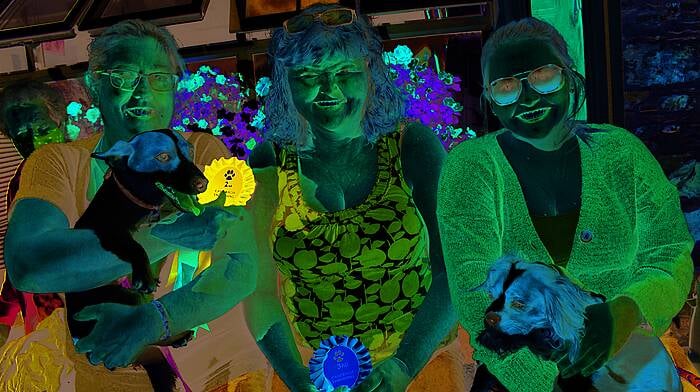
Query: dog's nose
(200, 184)
(492, 319)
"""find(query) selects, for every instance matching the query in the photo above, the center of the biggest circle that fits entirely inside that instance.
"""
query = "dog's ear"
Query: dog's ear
(565, 304)
(119, 150)
(496, 277)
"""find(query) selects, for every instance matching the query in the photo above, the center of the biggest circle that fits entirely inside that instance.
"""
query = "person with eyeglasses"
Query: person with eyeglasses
(587, 197)
(132, 73)
(345, 214)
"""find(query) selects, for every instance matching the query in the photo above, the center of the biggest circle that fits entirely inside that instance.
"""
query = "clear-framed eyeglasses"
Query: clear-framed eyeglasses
(127, 80)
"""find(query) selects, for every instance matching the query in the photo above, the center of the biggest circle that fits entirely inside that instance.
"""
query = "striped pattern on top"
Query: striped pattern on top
(9, 160)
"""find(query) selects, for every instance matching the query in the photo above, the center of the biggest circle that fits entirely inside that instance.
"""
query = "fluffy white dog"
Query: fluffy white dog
(536, 306)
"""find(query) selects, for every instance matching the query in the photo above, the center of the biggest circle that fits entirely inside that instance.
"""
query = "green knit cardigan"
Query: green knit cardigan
(631, 238)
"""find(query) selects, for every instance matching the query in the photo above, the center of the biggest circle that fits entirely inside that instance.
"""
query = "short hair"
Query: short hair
(385, 105)
(99, 48)
(28, 90)
(535, 29)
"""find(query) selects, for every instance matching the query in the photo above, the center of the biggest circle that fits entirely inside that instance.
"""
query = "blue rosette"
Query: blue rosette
(339, 361)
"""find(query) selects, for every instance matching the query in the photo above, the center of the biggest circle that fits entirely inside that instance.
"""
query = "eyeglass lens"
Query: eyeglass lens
(544, 80)
(128, 80)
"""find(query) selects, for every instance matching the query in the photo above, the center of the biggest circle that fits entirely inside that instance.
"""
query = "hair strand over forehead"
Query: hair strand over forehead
(385, 105)
(100, 47)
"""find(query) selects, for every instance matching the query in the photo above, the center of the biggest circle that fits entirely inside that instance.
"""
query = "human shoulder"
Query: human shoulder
(486, 144)
(417, 134)
(200, 139)
(207, 147)
(422, 155)
(64, 152)
(262, 156)
(611, 139)
(474, 155)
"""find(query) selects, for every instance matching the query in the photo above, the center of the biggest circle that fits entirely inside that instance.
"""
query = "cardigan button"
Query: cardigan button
(586, 235)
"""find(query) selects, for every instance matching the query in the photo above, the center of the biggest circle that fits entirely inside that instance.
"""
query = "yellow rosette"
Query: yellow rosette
(231, 176)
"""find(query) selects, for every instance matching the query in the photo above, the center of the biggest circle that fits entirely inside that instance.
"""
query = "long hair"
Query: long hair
(385, 105)
(536, 29)
(100, 48)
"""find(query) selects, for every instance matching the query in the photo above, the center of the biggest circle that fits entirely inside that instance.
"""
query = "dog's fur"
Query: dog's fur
(549, 317)
(113, 216)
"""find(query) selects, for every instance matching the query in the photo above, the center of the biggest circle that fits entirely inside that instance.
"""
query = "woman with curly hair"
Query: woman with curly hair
(345, 213)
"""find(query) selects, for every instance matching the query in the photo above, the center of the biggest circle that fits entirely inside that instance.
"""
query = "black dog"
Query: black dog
(144, 173)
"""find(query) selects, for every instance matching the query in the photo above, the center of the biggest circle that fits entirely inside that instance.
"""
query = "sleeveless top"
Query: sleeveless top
(362, 271)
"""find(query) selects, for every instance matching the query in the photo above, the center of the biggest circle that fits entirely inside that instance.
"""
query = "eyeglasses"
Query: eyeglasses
(545, 80)
(127, 80)
(334, 17)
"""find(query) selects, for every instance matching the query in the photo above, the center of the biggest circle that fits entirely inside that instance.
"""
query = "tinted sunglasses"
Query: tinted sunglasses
(334, 17)
(545, 80)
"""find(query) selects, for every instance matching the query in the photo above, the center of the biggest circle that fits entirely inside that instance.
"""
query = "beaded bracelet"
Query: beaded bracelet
(163, 318)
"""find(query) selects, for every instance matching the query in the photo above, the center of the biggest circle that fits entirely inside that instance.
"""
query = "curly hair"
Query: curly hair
(29, 90)
(536, 29)
(100, 48)
(385, 105)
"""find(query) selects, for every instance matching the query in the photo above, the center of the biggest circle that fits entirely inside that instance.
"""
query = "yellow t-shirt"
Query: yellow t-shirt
(61, 175)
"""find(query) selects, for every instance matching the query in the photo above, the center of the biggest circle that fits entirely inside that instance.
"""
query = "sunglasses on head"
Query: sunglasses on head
(544, 80)
(333, 17)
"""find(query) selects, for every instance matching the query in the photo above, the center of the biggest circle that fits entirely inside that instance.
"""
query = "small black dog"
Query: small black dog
(144, 173)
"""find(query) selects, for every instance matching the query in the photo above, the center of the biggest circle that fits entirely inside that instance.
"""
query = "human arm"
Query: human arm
(263, 311)
(422, 156)
(44, 255)
(471, 221)
(663, 268)
(121, 331)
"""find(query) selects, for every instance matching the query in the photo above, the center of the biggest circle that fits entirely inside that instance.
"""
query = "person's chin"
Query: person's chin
(533, 131)
(142, 125)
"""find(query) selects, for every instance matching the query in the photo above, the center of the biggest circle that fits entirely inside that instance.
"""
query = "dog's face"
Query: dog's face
(534, 305)
(161, 158)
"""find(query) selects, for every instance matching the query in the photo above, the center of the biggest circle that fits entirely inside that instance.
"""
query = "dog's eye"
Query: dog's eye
(163, 157)
(517, 305)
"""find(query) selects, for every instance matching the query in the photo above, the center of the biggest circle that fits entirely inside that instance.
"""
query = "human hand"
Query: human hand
(608, 326)
(120, 334)
(387, 376)
(196, 232)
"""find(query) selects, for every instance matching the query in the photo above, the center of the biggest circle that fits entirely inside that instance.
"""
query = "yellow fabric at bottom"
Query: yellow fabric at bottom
(37, 362)
(45, 361)
(680, 359)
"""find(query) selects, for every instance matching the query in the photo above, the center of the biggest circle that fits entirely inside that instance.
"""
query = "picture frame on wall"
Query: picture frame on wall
(102, 14)
(252, 15)
(33, 21)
